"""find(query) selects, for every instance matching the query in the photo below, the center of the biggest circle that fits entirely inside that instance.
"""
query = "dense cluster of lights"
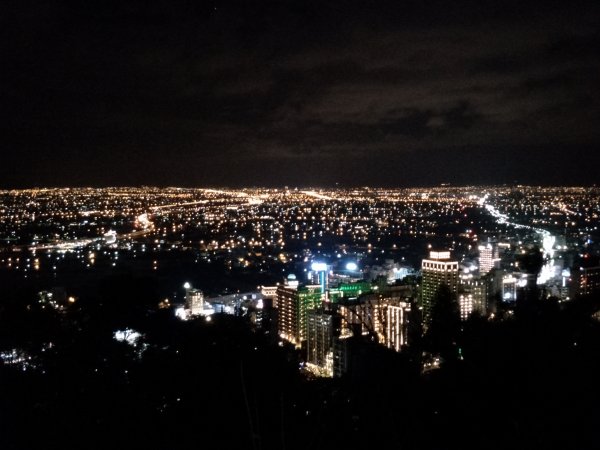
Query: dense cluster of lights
(40, 229)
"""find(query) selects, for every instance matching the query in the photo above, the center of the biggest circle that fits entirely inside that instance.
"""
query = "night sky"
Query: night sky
(299, 93)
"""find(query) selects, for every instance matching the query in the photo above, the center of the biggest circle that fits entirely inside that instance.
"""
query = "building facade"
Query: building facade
(396, 325)
(489, 257)
(321, 329)
(438, 269)
(293, 305)
(585, 281)
(194, 301)
(473, 297)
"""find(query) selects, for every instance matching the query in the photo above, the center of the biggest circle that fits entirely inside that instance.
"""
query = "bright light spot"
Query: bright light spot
(351, 266)
(318, 267)
(127, 335)
(548, 242)
(181, 313)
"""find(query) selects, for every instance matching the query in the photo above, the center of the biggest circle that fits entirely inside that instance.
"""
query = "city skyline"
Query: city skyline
(300, 94)
(299, 224)
(276, 312)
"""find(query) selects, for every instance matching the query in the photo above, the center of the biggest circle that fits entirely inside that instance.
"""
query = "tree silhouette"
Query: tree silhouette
(532, 261)
(443, 331)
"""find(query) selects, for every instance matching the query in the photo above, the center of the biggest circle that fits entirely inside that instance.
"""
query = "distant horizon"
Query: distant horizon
(306, 93)
(216, 187)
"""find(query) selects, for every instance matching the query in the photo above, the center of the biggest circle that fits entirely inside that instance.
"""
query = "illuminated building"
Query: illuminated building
(349, 290)
(437, 270)
(194, 301)
(385, 318)
(509, 288)
(268, 291)
(465, 303)
(396, 333)
(586, 281)
(321, 270)
(319, 338)
(488, 257)
(366, 317)
(293, 305)
(473, 295)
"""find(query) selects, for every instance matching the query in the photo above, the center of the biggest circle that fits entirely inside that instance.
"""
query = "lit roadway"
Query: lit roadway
(76, 243)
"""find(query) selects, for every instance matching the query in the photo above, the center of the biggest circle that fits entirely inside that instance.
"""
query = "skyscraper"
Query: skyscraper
(489, 257)
(293, 305)
(397, 325)
(320, 333)
(384, 317)
(438, 269)
(473, 296)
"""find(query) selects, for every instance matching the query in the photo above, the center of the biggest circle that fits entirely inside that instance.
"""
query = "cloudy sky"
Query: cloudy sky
(299, 93)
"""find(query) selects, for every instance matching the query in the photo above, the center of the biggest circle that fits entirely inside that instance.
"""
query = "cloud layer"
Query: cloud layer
(300, 92)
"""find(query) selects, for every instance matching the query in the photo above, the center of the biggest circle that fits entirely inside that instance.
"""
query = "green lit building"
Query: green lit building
(349, 290)
(293, 305)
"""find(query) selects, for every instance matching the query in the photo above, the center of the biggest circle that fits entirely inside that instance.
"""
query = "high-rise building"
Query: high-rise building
(396, 325)
(489, 257)
(364, 316)
(384, 317)
(438, 269)
(268, 291)
(465, 304)
(473, 295)
(321, 329)
(509, 288)
(293, 305)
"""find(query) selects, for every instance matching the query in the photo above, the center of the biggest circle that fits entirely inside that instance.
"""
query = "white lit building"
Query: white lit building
(438, 269)
(489, 257)
(387, 318)
(396, 333)
(473, 295)
(194, 301)
(268, 291)
(466, 305)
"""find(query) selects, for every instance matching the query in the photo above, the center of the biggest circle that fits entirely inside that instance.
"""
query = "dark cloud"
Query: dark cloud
(235, 92)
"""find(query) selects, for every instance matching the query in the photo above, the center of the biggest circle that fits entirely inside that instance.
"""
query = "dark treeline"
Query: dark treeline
(529, 380)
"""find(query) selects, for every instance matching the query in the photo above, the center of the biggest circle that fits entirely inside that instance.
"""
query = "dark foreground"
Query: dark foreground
(529, 381)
